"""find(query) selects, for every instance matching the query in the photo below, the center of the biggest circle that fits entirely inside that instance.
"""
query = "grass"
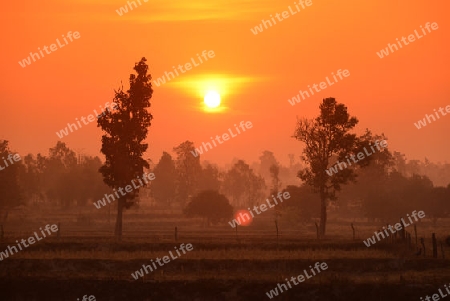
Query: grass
(221, 266)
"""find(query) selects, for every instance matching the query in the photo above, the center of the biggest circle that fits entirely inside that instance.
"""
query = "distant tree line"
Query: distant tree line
(65, 179)
(381, 187)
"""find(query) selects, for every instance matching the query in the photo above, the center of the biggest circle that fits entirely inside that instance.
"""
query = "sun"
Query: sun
(212, 99)
(239, 216)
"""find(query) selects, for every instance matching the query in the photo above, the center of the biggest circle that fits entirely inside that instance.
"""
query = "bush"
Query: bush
(209, 204)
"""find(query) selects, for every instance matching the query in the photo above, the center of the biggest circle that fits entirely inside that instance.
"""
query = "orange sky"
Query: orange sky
(259, 72)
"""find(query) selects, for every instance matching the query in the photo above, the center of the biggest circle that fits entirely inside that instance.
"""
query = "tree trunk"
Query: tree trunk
(118, 230)
(323, 212)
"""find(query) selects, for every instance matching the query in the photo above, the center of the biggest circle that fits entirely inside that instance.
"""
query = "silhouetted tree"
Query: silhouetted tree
(399, 162)
(244, 187)
(188, 170)
(370, 179)
(303, 203)
(395, 195)
(10, 190)
(274, 173)
(437, 172)
(209, 178)
(385, 198)
(437, 204)
(89, 183)
(267, 160)
(60, 176)
(327, 137)
(210, 205)
(164, 185)
(29, 178)
(126, 128)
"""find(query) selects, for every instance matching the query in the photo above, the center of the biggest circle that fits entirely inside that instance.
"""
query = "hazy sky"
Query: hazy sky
(255, 74)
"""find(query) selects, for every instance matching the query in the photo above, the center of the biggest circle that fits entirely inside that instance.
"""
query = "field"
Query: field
(223, 265)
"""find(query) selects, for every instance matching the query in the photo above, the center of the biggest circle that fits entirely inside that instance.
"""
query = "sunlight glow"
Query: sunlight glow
(212, 99)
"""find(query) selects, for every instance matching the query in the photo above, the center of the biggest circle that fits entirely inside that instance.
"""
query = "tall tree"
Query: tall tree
(126, 128)
(327, 139)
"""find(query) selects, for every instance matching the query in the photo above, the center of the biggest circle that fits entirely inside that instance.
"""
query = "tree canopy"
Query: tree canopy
(243, 185)
(210, 205)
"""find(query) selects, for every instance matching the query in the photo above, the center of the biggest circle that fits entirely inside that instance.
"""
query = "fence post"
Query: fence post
(353, 229)
(423, 245)
(409, 241)
(317, 229)
(391, 237)
(402, 231)
(415, 233)
(433, 237)
(276, 226)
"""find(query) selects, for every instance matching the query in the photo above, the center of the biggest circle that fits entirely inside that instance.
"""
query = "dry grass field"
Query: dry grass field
(222, 266)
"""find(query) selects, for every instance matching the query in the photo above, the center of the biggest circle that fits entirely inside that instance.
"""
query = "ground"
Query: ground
(87, 260)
